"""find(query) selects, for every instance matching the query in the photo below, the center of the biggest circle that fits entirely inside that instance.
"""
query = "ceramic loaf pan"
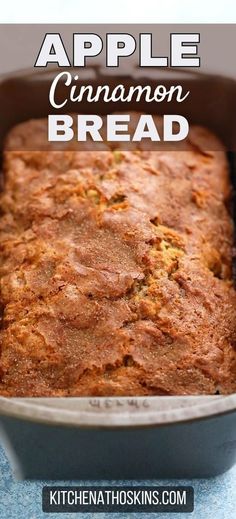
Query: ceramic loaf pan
(112, 438)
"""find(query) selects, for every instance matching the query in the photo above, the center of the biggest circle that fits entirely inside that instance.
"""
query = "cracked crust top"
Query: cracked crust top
(116, 271)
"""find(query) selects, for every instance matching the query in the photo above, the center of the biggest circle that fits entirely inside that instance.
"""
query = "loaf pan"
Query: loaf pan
(113, 438)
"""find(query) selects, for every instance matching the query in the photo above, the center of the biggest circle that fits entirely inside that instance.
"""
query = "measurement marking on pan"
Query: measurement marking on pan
(114, 403)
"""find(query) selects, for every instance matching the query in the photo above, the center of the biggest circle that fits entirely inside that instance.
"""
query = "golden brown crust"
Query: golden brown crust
(116, 271)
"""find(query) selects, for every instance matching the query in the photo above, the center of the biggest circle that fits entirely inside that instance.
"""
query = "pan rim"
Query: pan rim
(78, 411)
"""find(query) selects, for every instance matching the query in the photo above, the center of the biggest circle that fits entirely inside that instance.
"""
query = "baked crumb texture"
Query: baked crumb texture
(116, 271)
